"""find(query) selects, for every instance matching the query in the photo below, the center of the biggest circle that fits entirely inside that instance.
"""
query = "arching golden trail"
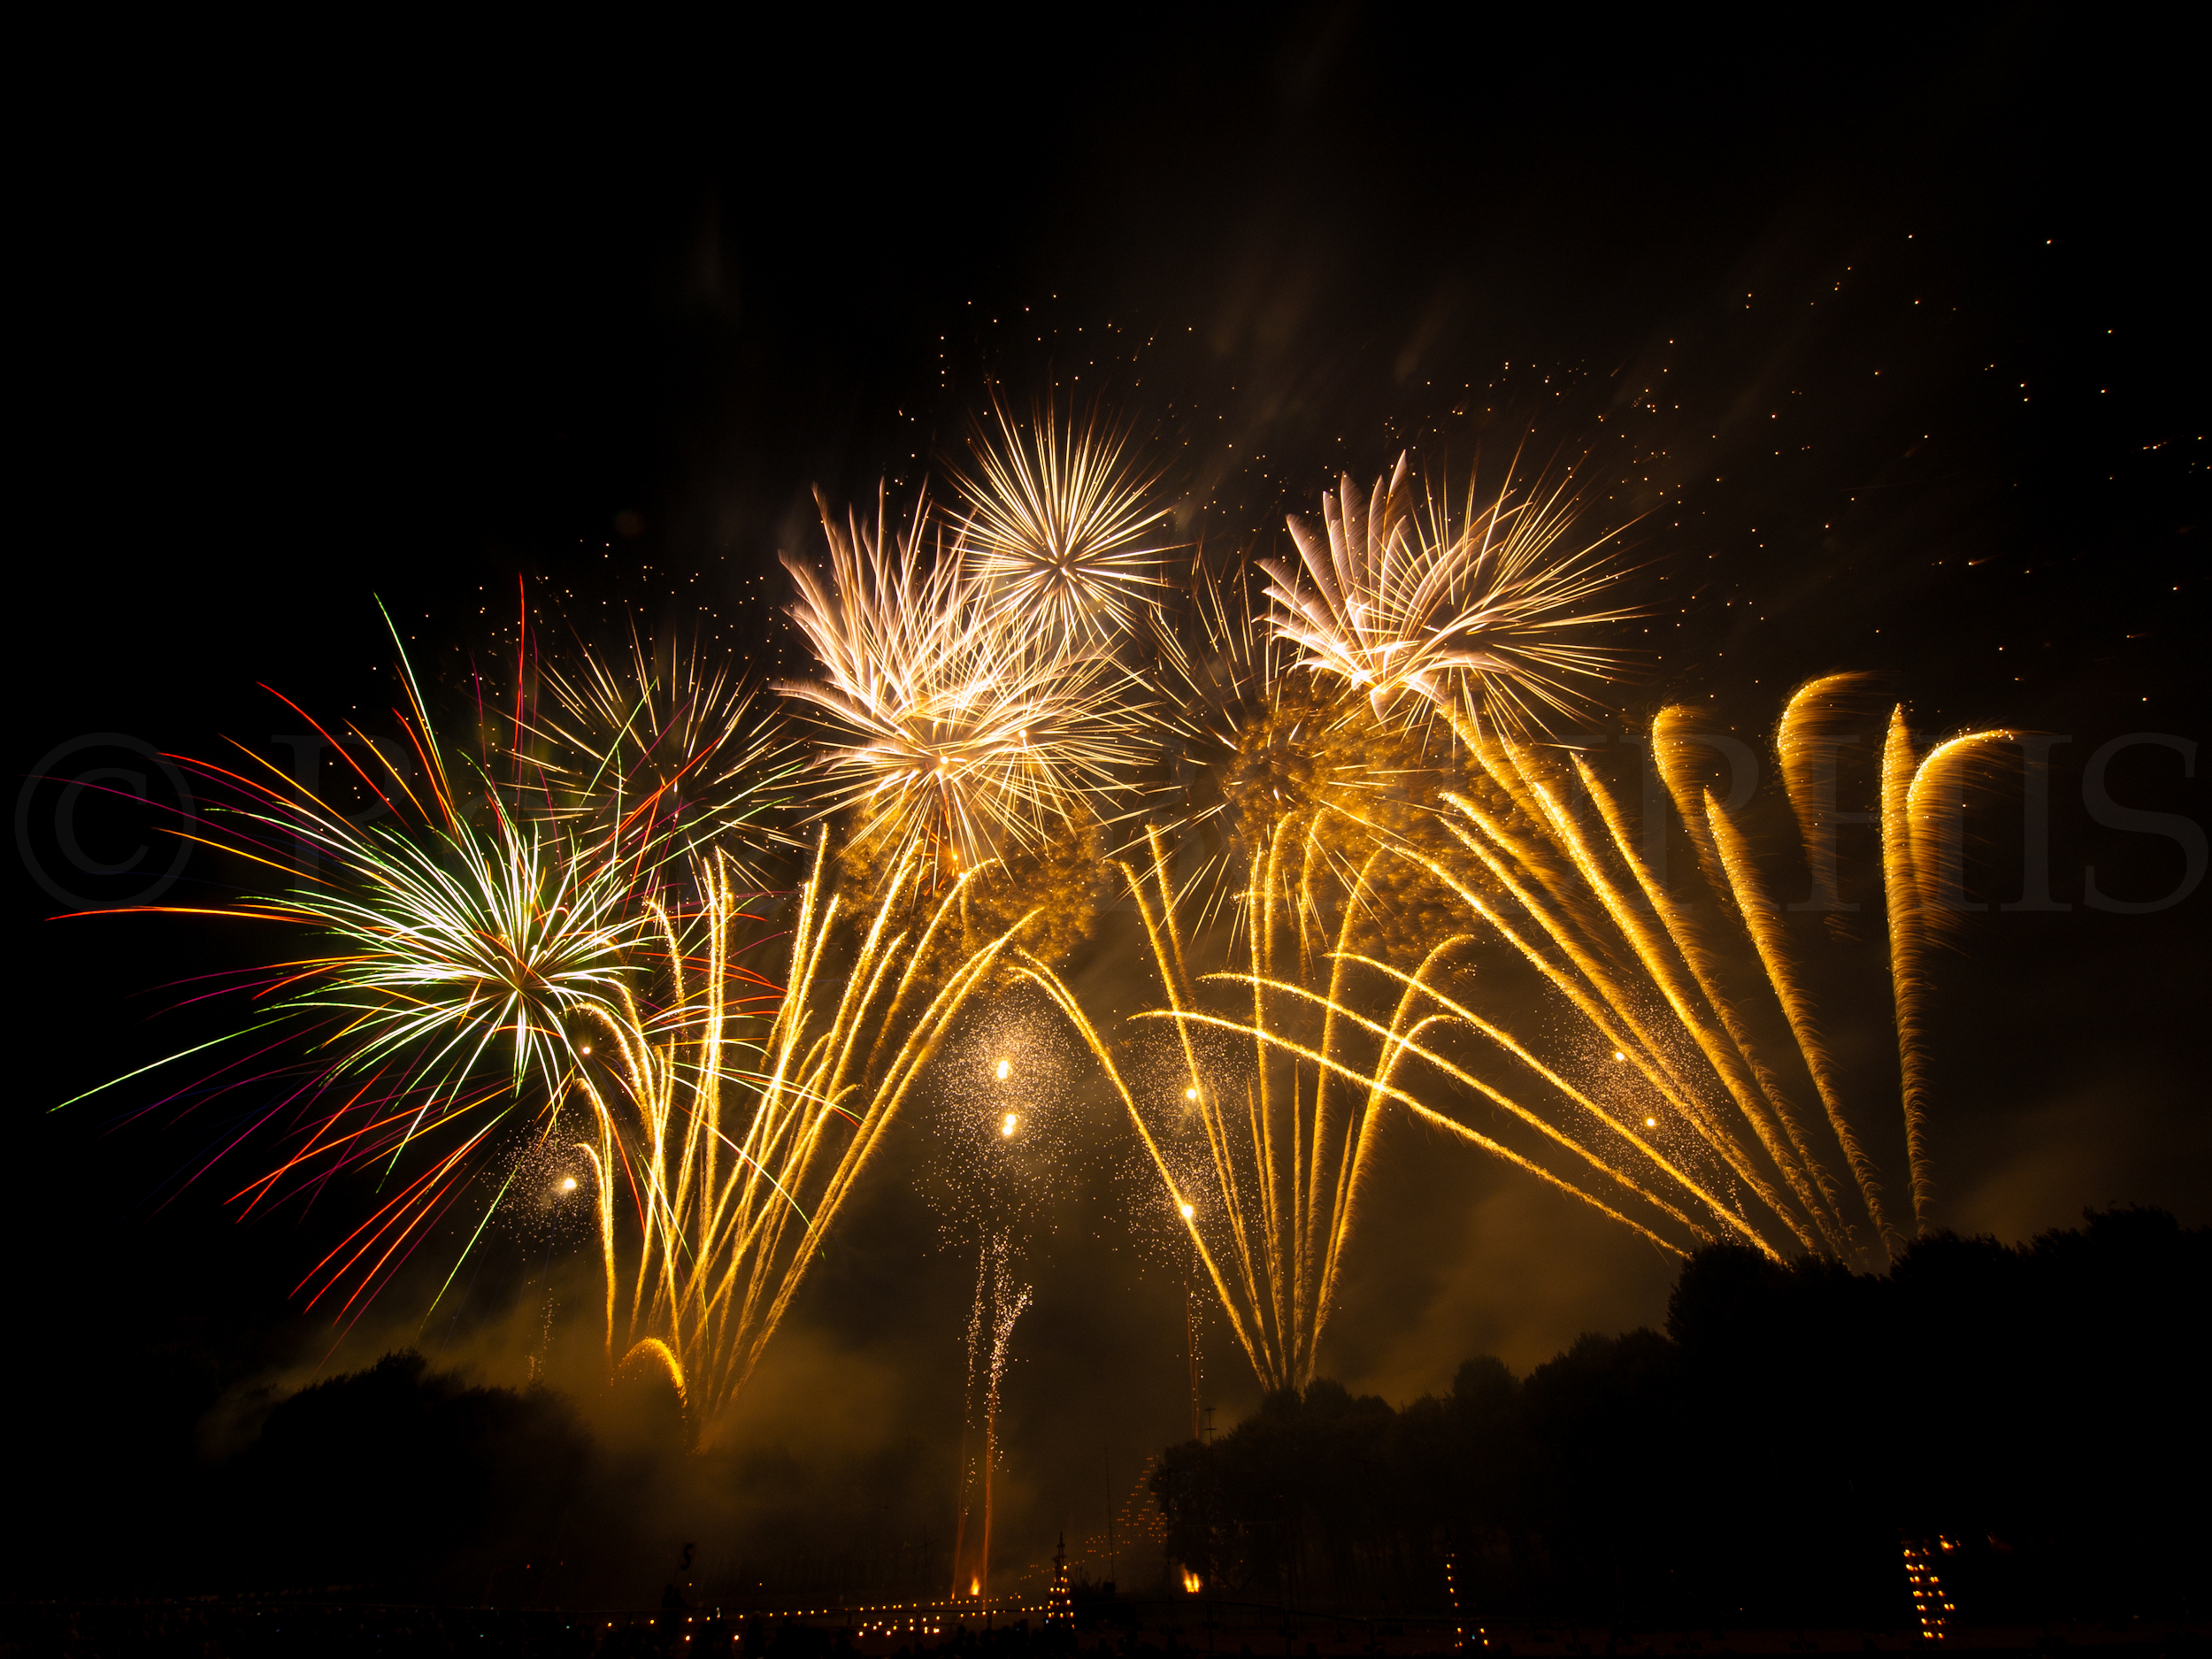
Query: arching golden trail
(743, 1138)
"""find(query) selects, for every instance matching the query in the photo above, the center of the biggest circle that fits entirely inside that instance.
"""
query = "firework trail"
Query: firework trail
(1920, 801)
(1664, 1107)
(1055, 526)
(965, 730)
(1460, 614)
(999, 1303)
(740, 1138)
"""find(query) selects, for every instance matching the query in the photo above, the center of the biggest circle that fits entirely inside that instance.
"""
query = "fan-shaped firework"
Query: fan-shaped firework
(1055, 526)
(1649, 1089)
(741, 1137)
(1466, 615)
(967, 730)
(1259, 1158)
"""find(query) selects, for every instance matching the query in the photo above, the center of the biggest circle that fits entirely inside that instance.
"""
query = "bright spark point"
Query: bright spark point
(568, 1183)
(1190, 1094)
(1617, 1055)
(1651, 1122)
(1005, 1070)
(1188, 1211)
(1007, 1128)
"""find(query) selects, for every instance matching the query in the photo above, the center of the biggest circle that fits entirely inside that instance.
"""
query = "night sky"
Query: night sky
(1886, 339)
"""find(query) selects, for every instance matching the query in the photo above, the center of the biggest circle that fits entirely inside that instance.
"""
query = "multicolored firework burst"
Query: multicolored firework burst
(656, 747)
(456, 950)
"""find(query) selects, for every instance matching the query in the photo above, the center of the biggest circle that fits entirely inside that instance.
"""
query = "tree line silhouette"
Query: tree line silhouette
(2036, 1414)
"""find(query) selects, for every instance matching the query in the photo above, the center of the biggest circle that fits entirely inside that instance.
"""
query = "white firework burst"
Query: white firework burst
(1475, 612)
(1055, 525)
(965, 728)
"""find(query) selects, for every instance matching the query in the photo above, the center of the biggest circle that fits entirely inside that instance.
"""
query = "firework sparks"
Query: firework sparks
(656, 751)
(742, 1140)
(969, 733)
(1055, 526)
(1467, 614)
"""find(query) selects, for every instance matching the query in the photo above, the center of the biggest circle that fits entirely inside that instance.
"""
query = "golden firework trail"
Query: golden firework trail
(1713, 1128)
(963, 729)
(1921, 799)
(1714, 1124)
(738, 1136)
(1469, 614)
(1055, 525)
(1667, 1105)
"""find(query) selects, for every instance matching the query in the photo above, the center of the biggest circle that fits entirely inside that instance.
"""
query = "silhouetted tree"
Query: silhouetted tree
(2038, 1407)
(405, 1480)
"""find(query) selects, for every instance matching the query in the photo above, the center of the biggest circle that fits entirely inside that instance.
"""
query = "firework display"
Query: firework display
(690, 948)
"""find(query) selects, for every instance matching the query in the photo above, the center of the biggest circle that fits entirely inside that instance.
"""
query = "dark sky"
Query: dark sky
(1888, 334)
